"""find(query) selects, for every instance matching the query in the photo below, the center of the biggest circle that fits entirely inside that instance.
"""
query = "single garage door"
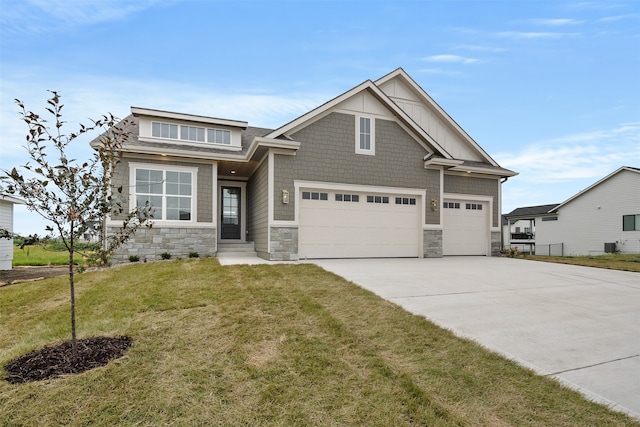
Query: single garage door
(335, 224)
(466, 227)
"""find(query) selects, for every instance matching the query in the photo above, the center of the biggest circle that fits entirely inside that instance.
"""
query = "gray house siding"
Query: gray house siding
(476, 186)
(258, 209)
(327, 154)
(433, 192)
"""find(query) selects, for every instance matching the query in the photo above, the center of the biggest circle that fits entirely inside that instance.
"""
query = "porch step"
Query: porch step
(236, 250)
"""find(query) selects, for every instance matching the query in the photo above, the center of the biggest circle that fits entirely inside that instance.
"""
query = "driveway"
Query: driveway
(580, 325)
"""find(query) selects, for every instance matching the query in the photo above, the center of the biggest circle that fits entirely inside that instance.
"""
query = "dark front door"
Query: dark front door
(231, 213)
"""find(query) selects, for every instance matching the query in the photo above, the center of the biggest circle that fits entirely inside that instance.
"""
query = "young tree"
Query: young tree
(71, 194)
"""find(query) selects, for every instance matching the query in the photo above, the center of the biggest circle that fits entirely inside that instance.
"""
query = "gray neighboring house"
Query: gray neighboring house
(379, 171)
(6, 222)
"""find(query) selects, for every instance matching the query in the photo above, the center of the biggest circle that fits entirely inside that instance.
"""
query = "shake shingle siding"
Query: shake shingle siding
(257, 209)
(327, 154)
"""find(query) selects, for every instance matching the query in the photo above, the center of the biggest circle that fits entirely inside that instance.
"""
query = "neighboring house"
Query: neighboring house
(92, 234)
(519, 227)
(604, 217)
(6, 222)
(379, 171)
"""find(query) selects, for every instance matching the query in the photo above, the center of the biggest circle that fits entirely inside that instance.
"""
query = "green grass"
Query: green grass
(264, 345)
(625, 262)
(39, 256)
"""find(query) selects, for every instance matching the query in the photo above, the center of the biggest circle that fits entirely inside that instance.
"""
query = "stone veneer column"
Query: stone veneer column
(496, 243)
(432, 243)
(284, 244)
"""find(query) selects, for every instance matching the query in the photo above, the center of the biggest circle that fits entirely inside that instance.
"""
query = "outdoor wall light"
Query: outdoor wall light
(285, 196)
(434, 204)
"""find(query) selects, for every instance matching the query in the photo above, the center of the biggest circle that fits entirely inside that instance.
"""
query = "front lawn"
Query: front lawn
(626, 262)
(264, 345)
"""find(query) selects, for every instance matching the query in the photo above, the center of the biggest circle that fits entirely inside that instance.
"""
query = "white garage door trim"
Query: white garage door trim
(466, 231)
(368, 230)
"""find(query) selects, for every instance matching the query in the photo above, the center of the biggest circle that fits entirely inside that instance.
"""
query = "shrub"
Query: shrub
(194, 255)
(134, 258)
(165, 255)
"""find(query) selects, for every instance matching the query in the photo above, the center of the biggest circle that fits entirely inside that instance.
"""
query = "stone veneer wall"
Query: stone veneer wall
(496, 243)
(432, 243)
(284, 244)
(149, 243)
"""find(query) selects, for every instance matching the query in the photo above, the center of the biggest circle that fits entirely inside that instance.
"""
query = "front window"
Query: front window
(365, 135)
(168, 192)
(191, 133)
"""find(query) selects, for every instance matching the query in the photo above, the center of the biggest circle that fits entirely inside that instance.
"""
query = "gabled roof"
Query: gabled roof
(376, 92)
(430, 101)
(530, 211)
(617, 171)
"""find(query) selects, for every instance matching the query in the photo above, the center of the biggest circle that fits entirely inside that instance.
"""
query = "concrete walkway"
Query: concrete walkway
(580, 325)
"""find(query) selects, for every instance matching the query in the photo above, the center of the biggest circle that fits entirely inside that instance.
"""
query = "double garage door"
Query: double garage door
(349, 224)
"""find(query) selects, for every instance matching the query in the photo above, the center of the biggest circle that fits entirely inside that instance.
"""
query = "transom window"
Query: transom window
(312, 195)
(365, 135)
(191, 133)
(630, 222)
(405, 201)
(168, 192)
(474, 206)
(451, 205)
(347, 197)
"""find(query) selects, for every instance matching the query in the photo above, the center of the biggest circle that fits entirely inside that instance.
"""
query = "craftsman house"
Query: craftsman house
(379, 171)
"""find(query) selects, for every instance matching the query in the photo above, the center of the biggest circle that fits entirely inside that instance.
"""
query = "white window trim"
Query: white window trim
(359, 150)
(165, 168)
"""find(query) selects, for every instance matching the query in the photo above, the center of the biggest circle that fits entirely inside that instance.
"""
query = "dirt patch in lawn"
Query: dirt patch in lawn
(59, 360)
(29, 274)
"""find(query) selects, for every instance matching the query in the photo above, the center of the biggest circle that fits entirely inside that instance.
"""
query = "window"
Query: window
(309, 195)
(405, 201)
(191, 133)
(164, 130)
(347, 197)
(451, 205)
(365, 135)
(377, 199)
(474, 206)
(630, 222)
(168, 192)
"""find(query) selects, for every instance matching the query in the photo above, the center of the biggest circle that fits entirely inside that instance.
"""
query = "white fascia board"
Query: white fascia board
(436, 106)
(11, 199)
(471, 169)
(285, 146)
(149, 112)
(442, 162)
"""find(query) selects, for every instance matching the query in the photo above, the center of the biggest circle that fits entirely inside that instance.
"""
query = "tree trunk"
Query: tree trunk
(74, 343)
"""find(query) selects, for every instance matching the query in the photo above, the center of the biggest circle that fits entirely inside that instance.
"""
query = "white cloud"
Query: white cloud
(439, 71)
(40, 16)
(590, 154)
(451, 59)
(531, 35)
(556, 22)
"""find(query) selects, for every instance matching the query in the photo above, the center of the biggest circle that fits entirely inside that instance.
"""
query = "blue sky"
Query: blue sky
(550, 89)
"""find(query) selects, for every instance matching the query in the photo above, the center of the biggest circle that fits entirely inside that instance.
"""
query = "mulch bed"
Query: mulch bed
(56, 361)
